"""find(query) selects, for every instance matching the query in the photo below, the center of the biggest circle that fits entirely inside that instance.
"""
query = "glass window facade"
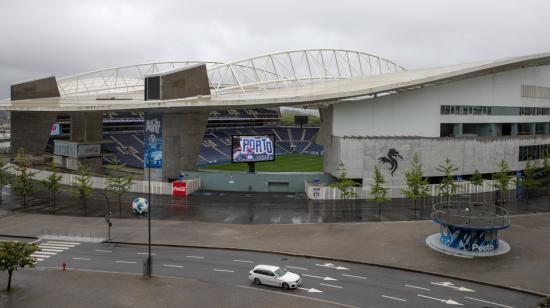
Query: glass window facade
(494, 110)
(533, 151)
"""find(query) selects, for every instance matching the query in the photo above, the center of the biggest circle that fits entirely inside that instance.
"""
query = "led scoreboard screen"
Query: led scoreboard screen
(248, 149)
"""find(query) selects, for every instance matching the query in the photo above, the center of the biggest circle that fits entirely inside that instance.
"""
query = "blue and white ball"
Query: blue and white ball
(140, 206)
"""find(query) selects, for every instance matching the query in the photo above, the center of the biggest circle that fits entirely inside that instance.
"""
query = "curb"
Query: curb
(544, 295)
(20, 236)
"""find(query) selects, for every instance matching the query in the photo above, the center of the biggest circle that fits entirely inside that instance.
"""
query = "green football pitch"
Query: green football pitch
(283, 163)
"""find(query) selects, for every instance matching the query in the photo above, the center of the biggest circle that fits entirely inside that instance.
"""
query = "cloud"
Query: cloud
(66, 37)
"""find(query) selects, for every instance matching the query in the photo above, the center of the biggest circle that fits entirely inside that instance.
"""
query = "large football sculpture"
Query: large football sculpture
(140, 206)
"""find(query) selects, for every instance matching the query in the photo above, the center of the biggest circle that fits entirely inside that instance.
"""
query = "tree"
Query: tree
(345, 185)
(529, 182)
(52, 182)
(417, 184)
(378, 191)
(501, 179)
(82, 185)
(118, 184)
(23, 180)
(16, 255)
(4, 176)
(448, 185)
(476, 180)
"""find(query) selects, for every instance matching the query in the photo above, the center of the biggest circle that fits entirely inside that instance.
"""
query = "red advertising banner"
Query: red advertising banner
(179, 189)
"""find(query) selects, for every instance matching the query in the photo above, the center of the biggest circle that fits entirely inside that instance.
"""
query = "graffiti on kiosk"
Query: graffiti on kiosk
(469, 240)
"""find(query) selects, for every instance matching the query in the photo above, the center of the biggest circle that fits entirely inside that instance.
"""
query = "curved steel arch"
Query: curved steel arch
(296, 67)
(274, 70)
(122, 79)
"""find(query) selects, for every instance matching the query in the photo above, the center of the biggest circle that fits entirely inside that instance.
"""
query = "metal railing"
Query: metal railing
(471, 215)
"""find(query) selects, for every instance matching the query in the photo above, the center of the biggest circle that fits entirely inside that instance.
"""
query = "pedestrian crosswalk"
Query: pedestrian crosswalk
(51, 248)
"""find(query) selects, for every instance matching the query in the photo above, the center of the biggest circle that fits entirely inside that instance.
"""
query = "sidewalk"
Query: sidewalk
(399, 244)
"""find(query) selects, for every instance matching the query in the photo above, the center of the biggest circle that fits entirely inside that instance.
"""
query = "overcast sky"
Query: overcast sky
(41, 38)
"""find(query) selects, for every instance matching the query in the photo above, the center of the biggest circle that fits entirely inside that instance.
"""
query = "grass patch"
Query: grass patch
(283, 163)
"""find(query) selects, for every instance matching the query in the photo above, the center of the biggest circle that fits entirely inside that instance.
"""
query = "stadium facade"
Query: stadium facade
(373, 111)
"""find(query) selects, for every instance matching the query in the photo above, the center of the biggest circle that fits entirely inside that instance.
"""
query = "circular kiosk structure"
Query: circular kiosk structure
(469, 229)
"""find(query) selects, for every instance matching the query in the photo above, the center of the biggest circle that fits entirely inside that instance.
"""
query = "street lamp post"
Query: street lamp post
(149, 260)
(108, 217)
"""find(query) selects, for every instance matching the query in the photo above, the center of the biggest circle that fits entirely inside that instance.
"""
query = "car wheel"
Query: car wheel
(285, 286)
(257, 281)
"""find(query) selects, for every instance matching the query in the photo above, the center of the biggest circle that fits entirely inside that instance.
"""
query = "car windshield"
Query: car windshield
(280, 272)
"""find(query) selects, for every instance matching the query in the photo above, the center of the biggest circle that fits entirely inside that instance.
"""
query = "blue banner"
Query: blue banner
(152, 153)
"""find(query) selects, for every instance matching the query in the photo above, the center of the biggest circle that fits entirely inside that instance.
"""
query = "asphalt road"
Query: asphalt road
(339, 282)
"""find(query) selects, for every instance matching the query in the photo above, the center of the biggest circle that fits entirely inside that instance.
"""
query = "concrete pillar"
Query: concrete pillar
(86, 127)
(86, 133)
(182, 134)
(532, 129)
(514, 129)
(30, 131)
(325, 131)
(495, 131)
(457, 130)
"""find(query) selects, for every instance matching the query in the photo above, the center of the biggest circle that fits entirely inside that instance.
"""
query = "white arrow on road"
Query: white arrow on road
(452, 286)
(312, 290)
(330, 265)
(324, 278)
(444, 301)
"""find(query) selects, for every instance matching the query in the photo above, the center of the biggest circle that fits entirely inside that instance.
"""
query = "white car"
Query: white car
(274, 276)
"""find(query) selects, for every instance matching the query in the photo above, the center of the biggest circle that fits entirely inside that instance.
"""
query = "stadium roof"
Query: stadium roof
(291, 78)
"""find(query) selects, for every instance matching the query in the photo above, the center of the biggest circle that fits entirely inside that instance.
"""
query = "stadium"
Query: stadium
(373, 112)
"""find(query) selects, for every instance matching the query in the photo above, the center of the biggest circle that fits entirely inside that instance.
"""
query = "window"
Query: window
(529, 152)
(493, 110)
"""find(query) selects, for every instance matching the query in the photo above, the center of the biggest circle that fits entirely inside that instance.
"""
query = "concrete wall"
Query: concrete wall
(30, 131)
(257, 182)
(417, 112)
(360, 155)
(363, 131)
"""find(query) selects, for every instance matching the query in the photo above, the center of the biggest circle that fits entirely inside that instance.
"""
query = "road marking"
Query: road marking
(298, 296)
(395, 298)
(243, 261)
(312, 290)
(452, 286)
(330, 265)
(295, 267)
(100, 250)
(46, 252)
(195, 257)
(39, 259)
(67, 243)
(421, 288)
(127, 262)
(58, 245)
(324, 278)
(39, 256)
(444, 301)
(332, 286)
(172, 265)
(83, 259)
(352, 276)
(54, 247)
(52, 250)
(146, 253)
(487, 302)
(222, 270)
